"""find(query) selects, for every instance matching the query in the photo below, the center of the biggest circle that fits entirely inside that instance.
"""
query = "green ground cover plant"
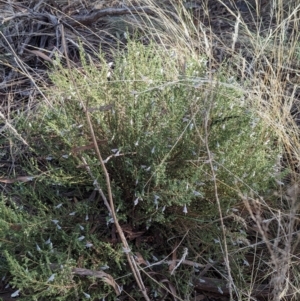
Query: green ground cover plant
(160, 131)
(162, 166)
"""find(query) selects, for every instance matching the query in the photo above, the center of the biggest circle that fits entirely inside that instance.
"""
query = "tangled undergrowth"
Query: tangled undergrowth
(144, 173)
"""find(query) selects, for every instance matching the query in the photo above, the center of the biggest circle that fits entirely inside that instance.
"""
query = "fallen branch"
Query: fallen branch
(87, 19)
(100, 13)
(76, 20)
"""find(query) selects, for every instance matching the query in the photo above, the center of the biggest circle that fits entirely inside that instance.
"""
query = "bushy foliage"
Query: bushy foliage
(156, 123)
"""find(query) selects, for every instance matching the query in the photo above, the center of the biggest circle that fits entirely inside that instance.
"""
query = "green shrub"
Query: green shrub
(149, 117)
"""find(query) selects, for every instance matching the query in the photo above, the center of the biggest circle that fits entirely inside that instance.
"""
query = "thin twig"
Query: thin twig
(180, 261)
(210, 161)
(96, 184)
(8, 125)
(210, 158)
(133, 265)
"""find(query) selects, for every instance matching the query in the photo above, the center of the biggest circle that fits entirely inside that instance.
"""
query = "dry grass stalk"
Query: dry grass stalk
(110, 204)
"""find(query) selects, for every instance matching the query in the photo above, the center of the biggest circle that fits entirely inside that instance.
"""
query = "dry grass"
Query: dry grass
(261, 49)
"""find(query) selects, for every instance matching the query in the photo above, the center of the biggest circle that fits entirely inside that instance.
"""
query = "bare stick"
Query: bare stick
(133, 265)
(210, 161)
(210, 158)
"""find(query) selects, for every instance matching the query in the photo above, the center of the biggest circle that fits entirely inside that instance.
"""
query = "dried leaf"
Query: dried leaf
(139, 259)
(22, 179)
(171, 287)
(15, 294)
(41, 55)
(99, 274)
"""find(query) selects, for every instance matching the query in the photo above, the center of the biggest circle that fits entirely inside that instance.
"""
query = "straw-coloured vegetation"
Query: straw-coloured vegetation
(149, 151)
